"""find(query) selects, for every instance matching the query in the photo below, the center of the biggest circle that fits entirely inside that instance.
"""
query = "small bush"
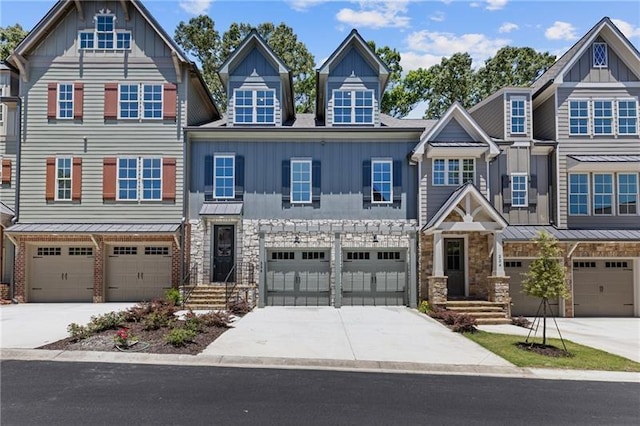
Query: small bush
(108, 321)
(180, 337)
(521, 322)
(424, 307)
(156, 320)
(464, 323)
(239, 307)
(78, 332)
(173, 295)
(220, 319)
(193, 322)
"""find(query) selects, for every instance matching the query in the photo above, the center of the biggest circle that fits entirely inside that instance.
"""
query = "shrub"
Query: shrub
(156, 320)
(424, 307)
(220, 319)
(521, 322)
(464, 323)
(239, 306)
(173, 295)
(139, 312)
(193, 322)
(108, 321)
(78, 332)
(180, 337)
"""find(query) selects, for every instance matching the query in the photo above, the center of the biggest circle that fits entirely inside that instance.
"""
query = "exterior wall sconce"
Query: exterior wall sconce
(375, 238)
(296, 240)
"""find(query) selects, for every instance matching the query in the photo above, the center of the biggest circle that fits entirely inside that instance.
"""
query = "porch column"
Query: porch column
(337, 302)
(498, 255)
(438, 255)
(262, 275)
(413, 283)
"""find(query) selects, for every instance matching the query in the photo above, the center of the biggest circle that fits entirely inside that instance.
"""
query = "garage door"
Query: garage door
(603, 288)
(60, 274)
(138, 273)
(298, 278)
(521, 304)
(374, 278)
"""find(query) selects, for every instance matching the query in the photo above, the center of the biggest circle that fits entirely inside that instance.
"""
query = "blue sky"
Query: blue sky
(423, 31)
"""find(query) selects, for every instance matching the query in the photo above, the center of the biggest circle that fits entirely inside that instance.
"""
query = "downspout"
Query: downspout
(419, 193)
(184, 206)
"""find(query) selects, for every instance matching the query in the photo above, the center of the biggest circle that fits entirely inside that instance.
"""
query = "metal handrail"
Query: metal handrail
(227, 292)
(192, 279)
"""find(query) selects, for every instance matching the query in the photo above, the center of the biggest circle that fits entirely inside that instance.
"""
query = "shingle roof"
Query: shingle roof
(221, 209)
(95, 228)
(528, 232)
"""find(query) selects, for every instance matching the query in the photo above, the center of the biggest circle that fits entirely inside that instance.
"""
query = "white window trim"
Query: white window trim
(387, 161)
(606, 56)
(141, 101)
(95, 32)
(612, 117)
(617, 193)
(617, 118)
(526, 189)
(233, 158)
(120, 117)
(524, 108)
(254, 105)
(589, 116)
(589, 199)
(139, 179)
(307, 161)
(446, 171)
(73, 100)
(614, 197)
(353, 106)
(57, 187)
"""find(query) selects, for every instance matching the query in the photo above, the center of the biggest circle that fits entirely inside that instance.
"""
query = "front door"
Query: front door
(454, 266)
(223, 254)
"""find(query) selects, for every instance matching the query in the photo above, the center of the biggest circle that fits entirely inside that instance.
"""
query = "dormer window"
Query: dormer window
(353, 107)
(518, 116)
(104, 35)
(254, 106)
(600, 55)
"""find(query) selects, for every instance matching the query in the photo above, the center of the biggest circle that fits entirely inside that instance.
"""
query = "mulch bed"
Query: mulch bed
(546, 350)
(156, 339)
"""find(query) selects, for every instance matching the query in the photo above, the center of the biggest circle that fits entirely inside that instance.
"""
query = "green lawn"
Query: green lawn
(584, 357)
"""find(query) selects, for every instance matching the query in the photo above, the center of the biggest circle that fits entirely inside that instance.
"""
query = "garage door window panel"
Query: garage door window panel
(49, 251)
(63, 178)
(628, 194)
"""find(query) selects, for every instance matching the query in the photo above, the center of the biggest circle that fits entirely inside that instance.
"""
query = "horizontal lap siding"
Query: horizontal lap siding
(544, 120)
(491, 117)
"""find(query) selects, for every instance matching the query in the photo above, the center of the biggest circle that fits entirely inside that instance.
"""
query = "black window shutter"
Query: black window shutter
(316, 179)
(397, 181)
(533, 189)
(208, 177)
(286, 181)
(506, 189)
(239, 192)
(366, 180)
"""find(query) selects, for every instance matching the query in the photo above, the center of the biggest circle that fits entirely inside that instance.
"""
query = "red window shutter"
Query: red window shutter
(170, 100)
(52, 100)
(6, 171)
(169, 179)
(78, 100)
(109, 170)
(50, 185)
(76, 183)
(111, 101)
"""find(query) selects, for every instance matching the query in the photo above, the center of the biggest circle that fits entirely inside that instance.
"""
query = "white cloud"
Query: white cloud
(383, 14)
(304, 5)
(195, 7)
(437, 17)
(507, 27)
(474, 4)
(561, 31)
(447, 1)
(424, 46)
(496, 4)
(629, 30)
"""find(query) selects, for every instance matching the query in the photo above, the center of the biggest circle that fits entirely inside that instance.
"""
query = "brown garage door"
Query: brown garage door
(138, 273)
(521, 304)
(603, 288)
(60, 274)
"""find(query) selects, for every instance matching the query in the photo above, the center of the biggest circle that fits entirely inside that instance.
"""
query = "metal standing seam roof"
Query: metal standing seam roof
(606, 158)
(4, 209)
(463, 144)
(528, 232)
(221, 209)
(95, 228)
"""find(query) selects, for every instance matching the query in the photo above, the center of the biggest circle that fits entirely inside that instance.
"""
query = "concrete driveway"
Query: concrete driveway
(394, 334)
(29, 325)
(620, 336)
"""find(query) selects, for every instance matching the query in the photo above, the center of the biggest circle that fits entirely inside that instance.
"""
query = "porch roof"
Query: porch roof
(94, 228)
(528, 232)
(4, 209)
(221, 209)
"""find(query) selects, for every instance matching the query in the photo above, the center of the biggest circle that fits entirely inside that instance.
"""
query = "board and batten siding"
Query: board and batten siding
(341, 171)
(453, 132)
(615, 71)
(352, 63)
(490, 117)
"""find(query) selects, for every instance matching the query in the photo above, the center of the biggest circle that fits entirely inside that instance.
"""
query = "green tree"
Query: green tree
(546, 278)
(452, 80)
(393, 97)
(10, 37)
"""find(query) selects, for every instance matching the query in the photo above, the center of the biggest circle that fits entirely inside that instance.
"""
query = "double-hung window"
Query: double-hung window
(627, 193)
(65, 100)
(130, 105)
(152, 101)
(453, 171)
(602, 194)
(254, 106)
(600, 55)
(518, 116)
(139, 179)
(627, 117)
(224, 176)
(579, 194)
(105, 26)
(301, 181)
(602, 117)
(63, 179)
(382, 181)
(353, 107)
(104, 35)
(579, 117)
(519, 196)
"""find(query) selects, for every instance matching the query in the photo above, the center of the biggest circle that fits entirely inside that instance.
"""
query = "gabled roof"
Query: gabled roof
(457, 112)
(606, 29)
(451, 204)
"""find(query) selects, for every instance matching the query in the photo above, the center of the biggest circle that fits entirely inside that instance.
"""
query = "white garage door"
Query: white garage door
(371, 277)
(60, 274)
(138, 273)
(521, 304)
(298, 278)
(603, 288)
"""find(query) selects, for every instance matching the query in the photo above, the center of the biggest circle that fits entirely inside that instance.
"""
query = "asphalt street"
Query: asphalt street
(67, 393)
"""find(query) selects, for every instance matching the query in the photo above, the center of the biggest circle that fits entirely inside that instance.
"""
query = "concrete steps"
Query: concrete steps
(207, 297)
(483, 311)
